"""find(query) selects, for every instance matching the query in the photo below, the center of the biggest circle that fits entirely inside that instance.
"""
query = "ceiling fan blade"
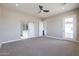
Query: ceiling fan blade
(41, 7)
(46, 10)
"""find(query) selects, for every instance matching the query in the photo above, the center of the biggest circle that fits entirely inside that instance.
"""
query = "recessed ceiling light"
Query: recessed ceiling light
(17, 4)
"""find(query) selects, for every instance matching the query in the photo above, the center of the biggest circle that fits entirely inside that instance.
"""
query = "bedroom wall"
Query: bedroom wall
(54, 24)
(10, 21)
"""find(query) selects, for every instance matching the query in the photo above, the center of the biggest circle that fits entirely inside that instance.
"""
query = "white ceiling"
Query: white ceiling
(33, 9)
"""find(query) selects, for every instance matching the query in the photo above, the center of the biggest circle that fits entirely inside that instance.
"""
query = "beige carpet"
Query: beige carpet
(42, 46)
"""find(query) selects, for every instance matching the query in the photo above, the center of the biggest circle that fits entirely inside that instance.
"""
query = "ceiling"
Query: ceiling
(33, 9)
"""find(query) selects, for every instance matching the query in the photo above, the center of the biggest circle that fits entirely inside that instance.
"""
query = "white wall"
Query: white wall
(54, 27)
(10, 21)
(54, 24)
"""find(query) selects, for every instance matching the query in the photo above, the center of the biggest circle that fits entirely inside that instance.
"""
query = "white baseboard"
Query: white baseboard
(13, 41)
(8, 42)
(63, 39)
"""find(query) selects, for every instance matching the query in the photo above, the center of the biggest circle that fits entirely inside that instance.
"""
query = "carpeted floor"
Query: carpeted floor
(42, 46)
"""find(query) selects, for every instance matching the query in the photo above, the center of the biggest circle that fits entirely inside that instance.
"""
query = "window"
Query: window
(27, 30)
(70, 27)
(24, 31)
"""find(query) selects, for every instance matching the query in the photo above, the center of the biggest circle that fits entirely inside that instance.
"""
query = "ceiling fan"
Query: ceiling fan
(42, 9)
